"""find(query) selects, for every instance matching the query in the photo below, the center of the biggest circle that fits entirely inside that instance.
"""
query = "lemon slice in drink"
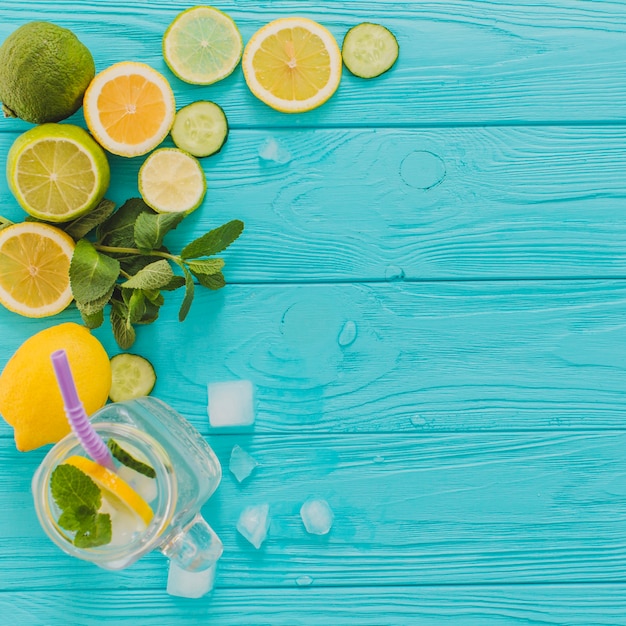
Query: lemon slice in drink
(111, 482)
(202, 45)
(34, 269)
(172, 181)
(57, 172)
(292, 64)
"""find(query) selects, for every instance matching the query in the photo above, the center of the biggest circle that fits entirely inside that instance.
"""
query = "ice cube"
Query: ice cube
(126, 525)
(241, 463)
(145, 486)
(231, 403)
(254, 522)
(273, 152)
(186, 584)
(317, 516)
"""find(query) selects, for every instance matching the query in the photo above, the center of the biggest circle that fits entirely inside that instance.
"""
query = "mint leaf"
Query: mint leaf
(92, 320)
(125, 458)
(151, 312)
(80, 227)
(119, 229)
(91, 274)
(175, 283)
(98, 533)
(212, 281)
(154, 296)
(187, 300)
(151, 228)
(136, 305)
(77, 518)
(206, 266)
(152, 276)
(123, 332)
(214, 241)
(94, 306)
(72, 488)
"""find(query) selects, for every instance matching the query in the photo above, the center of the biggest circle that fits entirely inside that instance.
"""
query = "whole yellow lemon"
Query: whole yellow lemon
(30, 399)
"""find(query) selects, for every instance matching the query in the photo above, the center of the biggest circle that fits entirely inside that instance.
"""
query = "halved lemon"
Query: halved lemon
(202, 45)
(57, 172)
(35, 269)
(292, 64)
(172, 181)
(129, 108)
(106, 479)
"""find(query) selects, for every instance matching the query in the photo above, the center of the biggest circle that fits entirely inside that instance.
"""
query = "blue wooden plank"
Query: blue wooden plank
(548, 605)
(425, 357)
(468, 62)
(426, 205)
(410, 509)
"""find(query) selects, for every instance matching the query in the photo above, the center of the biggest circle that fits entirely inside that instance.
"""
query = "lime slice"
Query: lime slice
(369, 50)
(132, 377)
(202, 45)
(172, 181)
(57, 172)
(200, 128)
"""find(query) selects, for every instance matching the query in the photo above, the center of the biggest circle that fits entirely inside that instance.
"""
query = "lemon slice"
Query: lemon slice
(129, 108)
(172, 181)
(292, 64)
(57, 172)
(34, 269)
(106, 479)
(202, 45)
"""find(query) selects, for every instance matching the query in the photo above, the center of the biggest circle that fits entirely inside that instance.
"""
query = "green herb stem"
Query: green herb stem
(115, 250)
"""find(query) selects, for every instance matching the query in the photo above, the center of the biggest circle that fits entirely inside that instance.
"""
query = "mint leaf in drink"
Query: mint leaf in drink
(150, 228)
(92, 274)
(153, 276)
(98, 533)
(79, 499)
(214, 241)
(72, 488)
(125, 458)
(75, 519)
(206, 266)
(82, 226)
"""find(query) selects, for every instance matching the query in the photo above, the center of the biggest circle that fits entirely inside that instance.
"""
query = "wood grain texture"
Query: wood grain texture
(469, 62)
(428, 205)
(538, 605)
(426, 357)
(410, 509)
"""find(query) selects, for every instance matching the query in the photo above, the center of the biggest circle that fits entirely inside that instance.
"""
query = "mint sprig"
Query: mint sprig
(79, 499)
(120, 260)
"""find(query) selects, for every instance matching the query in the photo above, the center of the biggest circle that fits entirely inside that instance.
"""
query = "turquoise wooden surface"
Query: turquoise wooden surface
(465, 213)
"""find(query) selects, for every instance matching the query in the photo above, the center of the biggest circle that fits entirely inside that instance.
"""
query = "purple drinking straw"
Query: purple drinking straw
(89, 439)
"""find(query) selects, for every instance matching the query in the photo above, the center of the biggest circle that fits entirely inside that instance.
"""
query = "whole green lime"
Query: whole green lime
(44, 72)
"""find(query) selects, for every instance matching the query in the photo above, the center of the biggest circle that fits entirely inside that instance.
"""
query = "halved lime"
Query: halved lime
(200, 128)
(132, 377)
(202, 45)
(57, 172)
(172, 181)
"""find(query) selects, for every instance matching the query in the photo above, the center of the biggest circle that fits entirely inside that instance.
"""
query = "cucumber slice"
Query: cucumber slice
(132, 377)
(369, 50)
(127, 459)
(200, 128)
